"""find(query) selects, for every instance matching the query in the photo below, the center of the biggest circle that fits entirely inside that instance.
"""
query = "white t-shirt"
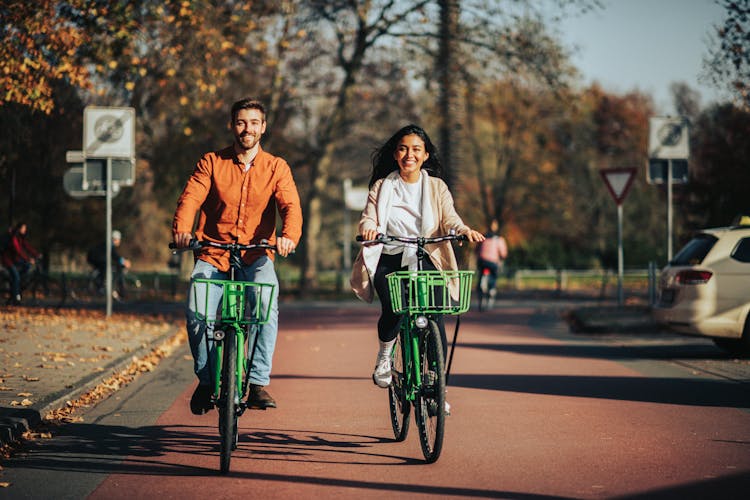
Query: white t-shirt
(405, 217)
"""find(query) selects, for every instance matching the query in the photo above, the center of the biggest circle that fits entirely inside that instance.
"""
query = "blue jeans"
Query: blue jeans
(16, 271)
(200, 332)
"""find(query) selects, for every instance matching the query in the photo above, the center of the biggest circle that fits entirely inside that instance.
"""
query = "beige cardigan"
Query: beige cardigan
(444, 219)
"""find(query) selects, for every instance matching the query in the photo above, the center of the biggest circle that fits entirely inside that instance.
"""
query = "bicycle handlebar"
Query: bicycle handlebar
(419, 241)
(197, 245)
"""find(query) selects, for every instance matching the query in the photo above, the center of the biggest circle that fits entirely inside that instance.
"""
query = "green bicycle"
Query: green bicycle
(418, 364)
(230, 359)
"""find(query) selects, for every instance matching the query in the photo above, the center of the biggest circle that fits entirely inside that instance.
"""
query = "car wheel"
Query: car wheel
(737, 347)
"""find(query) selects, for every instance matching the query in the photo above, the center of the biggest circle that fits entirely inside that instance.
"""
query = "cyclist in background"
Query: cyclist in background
(238, 191)
(491, 254)
(407, 198)
(97, 258)
(18, 257)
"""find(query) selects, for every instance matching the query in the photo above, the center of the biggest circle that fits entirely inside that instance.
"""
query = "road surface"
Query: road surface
(537, 413)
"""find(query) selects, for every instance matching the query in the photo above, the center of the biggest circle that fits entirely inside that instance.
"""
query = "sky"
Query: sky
(645, 45)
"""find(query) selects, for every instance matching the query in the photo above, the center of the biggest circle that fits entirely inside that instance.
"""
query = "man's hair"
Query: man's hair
(248, 103)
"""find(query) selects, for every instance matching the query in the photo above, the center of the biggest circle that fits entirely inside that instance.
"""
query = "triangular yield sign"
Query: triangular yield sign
(618, 181)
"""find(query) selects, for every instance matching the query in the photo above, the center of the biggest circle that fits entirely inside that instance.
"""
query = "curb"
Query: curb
(14, 421)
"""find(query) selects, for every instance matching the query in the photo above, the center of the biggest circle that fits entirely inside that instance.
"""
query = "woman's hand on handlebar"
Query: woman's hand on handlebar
(474, 236)
(370, 234)
(182, 240)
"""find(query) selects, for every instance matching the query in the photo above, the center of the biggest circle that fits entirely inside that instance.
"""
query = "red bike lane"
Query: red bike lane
(536, 413)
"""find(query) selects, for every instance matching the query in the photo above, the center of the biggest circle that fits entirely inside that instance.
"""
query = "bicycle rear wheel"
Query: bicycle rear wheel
(227, 401)
(430, 402)
(399, 406)
(483, 292)
(45, 289)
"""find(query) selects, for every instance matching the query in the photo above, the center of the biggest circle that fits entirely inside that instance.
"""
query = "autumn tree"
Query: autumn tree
(728, 62)
(39, 47)
(719, 173)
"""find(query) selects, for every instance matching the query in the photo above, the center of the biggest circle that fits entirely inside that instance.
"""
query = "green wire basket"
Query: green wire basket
(428, 292)
(239, 301)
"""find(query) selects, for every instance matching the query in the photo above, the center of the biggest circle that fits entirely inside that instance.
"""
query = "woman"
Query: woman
(18, 257)
(407, 198)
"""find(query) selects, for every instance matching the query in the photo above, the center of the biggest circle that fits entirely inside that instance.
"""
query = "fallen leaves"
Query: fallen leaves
(115, 381)
(49, 349)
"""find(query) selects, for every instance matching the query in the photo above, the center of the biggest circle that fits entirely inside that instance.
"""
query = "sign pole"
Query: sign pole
(618, 182)
(620, 259)
(669, 211)
(108, 274)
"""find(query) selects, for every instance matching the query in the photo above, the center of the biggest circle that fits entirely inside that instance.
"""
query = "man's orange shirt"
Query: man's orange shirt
(238, 205)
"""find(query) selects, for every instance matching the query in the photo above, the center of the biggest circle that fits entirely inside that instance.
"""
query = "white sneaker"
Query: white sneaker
(447, 409)
(382, 374)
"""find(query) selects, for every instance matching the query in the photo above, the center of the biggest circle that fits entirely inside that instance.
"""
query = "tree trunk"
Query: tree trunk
(448, 105)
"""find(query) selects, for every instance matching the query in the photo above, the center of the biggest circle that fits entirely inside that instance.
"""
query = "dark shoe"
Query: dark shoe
(259, 398)
(200, 403)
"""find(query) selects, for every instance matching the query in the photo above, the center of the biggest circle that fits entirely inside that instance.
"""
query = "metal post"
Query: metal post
(619, 255)
(669, 210)
(108, 275)
(651, 283)
(346, 234)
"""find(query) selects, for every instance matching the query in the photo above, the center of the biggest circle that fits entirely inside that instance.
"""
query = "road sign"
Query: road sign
(668, 138)
(658, 171)
(355, 198)
(95, 172)
(618, 181)
(108, 132)
(88, 176)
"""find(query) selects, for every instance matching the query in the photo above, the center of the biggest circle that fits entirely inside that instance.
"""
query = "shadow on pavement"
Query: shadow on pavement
(677, 391)
(726, 488)
(145, 451)
(613, 352)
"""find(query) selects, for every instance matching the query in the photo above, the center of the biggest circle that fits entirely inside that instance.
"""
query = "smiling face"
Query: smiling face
(410, 155)
(249, 125)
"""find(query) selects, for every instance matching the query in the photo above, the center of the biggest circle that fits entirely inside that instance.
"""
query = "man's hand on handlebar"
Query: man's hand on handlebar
(182, 240)
(284, 246)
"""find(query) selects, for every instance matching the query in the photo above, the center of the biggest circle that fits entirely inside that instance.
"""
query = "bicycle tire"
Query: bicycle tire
(227, 402)
(45, 289)
(400, 408)
(483, 292)
(430, 401)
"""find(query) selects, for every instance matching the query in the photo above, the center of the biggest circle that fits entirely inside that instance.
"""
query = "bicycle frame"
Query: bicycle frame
(241, 309)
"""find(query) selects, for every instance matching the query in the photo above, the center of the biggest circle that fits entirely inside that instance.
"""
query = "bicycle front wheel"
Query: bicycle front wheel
(227, 401)
(399, 406)
(430, 402)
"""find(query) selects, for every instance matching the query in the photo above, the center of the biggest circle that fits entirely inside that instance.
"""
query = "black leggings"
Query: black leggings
(388, 323)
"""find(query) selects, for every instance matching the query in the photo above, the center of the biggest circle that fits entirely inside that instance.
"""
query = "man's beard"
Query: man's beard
(246, 142)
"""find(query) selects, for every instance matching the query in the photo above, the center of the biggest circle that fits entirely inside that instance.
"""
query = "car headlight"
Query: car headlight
(421, 321)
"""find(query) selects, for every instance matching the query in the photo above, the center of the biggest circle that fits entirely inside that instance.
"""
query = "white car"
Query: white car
(705, 289)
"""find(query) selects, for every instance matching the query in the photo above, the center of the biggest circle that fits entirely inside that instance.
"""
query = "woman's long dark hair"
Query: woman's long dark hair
(383, 162)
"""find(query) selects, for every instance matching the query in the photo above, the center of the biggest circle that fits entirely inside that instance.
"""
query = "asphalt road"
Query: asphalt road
(537, 413)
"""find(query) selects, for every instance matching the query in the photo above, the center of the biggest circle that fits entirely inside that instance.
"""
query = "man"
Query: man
(97, 255)
(237, 192)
